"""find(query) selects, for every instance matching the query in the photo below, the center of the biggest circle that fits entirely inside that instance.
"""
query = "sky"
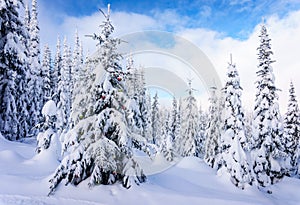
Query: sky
(217, 27)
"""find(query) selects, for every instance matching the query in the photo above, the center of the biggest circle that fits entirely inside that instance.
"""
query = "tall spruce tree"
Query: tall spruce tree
(55, 73)
(155, 120)
(201, 133)
(233, 139)
(212, 142)
(13, 72)
(292, 133)
(189, 126)
(77, 64)
(35, 83)
(102, 144)
(64, 90)
(267, 131)
(46, 69)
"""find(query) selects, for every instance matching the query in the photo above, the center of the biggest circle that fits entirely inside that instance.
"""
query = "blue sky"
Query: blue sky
(234, 18)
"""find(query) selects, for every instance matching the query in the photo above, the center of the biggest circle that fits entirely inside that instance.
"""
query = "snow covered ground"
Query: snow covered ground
(24, 180)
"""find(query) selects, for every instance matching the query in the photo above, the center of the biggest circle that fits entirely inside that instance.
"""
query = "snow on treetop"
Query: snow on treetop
(49, 108)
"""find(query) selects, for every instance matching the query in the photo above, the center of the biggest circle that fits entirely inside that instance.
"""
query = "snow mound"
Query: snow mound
(49, 108)
(190, 163)
(10, 156)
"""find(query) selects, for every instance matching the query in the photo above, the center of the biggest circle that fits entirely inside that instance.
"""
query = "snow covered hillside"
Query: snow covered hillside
(24, 180)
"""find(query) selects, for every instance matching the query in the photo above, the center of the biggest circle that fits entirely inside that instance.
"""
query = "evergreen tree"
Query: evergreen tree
(102, 145)
(267, 131)
(35, 83)
(64, 90)
(13, 72)
(177, 132)
(155, 121)
(201, 134)
(167, 144)
(55, 74)
(46, 68)
(147, 116)
(292, 133)
(189, 126)
(173, 119)
(233, 139)
(77, 64)
(212, 143)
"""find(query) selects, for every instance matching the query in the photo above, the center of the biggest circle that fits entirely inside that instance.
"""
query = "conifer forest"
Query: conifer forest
(84, 128)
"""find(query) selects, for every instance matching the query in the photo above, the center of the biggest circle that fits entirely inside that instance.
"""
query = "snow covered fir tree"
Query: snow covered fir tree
(292, 134)
(267, 133)
(233, 140)
(102, 145)
(99, 126)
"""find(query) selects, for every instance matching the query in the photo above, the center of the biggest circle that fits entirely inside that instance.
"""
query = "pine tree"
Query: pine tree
(267, 131)
(155, 120)
(167, 142)
(233, 139)
(13, 72)
(212, 143)
(64, 91)
(173, 119)
(177, 132)
(189, 126)
(292, 133)
(147, 116)
(35, 82)
(77, 64)
(201, 134)
(46, 69)
(102, 145)
(55, 73)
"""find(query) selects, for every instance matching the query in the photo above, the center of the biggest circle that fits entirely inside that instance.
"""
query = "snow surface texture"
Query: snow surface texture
(24, 180)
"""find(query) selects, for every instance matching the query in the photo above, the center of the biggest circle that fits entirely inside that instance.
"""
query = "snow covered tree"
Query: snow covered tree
(292, 133)
(101, 147)
(77, 64)
(46, 68)
(177, 132)
(64, 90)
(167, 142)
(55, 74)
(200, 151)
(233, 140)
(35, 83)
(173, 119)
(189, 125)
(13, 72)
(267, 130)
(212, 143)
(155, 120)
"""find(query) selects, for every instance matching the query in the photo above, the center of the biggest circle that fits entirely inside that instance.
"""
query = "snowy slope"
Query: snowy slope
(24, 180)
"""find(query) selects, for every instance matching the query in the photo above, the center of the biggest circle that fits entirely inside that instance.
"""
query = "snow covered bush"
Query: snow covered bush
(48, 135)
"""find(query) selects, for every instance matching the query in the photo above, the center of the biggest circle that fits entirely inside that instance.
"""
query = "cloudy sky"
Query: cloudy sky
(216, 27)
